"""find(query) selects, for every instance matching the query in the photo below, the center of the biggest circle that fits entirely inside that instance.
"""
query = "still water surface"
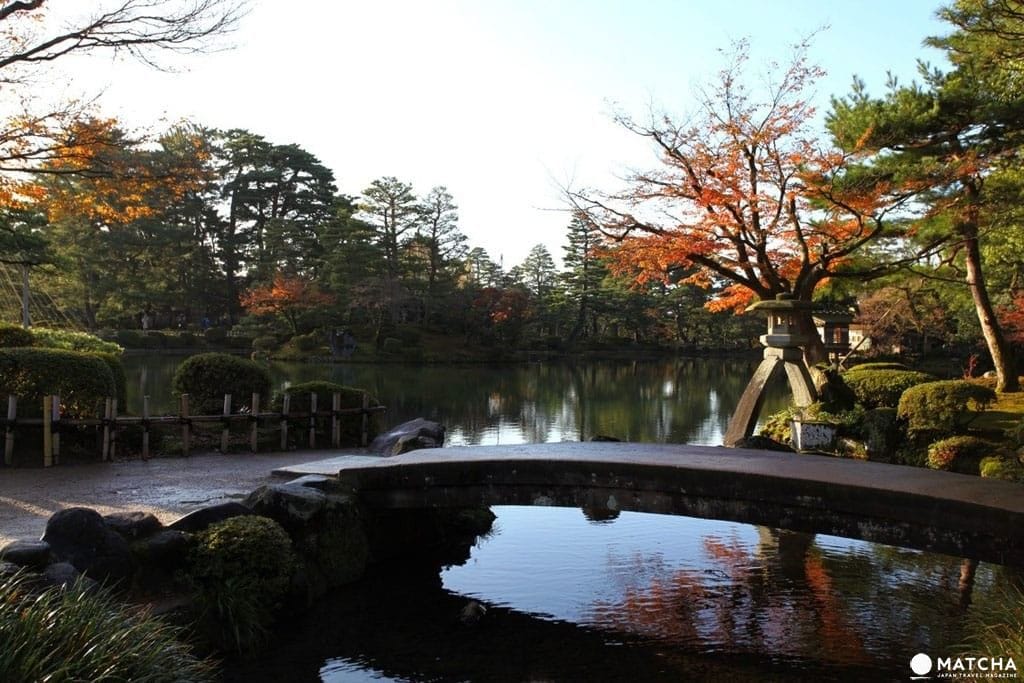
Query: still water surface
(639, 597)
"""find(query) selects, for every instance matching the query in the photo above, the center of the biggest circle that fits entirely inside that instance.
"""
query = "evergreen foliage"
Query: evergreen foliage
(943, 407)
(206, 377)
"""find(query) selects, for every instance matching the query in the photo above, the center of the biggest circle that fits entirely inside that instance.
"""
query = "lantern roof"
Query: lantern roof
(781, 302)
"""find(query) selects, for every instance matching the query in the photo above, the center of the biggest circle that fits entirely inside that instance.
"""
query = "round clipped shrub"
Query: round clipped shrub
(73, 341)
(959, 454)
(351, 425)
(391, 345)
(14, 336)
(83, 380)
(241, 569)
(80, 633)
(154, 339)
(113, 361)
(306, 342)
(1001, 467)
(944, 407)
(878, 366)
(206, 377)
(264, 343)
(882, 388)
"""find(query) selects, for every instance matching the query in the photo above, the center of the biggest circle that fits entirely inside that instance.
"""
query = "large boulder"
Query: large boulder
(80, 537)
(409, 436)
(35, 554)
(132, 525)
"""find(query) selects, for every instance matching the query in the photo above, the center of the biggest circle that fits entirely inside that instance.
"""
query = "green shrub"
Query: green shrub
(410, 336)
(72, 341)
(391, 345)
(264, 343)
(351, 425)
(959, 454)
(14, 336)
(878, 366)
(882, 388)
(130, 339)
(215, 335)
(81, 634)
(944, 407)
(307, 342)
(83, 380)
(1001, 467)
(206, 377)
(881, 432)
(187, 340)
(240, 569)
(113, 361)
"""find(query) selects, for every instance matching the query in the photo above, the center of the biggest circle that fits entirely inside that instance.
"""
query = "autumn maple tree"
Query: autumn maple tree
(288, 296)
(745, 198)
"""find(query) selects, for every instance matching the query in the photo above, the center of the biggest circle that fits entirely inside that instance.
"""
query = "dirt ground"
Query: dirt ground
(167, 487)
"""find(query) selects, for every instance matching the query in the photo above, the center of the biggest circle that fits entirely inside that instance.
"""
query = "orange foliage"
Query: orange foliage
(287, 296)
(743, 194)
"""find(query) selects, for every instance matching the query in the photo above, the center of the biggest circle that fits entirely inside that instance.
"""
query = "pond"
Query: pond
(680, 401)
(635, 598)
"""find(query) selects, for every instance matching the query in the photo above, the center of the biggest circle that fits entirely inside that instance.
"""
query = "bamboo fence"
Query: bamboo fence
(52, 423)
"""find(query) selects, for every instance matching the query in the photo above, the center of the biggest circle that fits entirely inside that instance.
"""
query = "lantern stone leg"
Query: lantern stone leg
(744, 419)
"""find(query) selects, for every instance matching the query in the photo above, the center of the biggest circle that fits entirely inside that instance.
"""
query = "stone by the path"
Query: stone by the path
(287, 504)
(35, 554)
(132, 525)
(79, 536)
(409, 436)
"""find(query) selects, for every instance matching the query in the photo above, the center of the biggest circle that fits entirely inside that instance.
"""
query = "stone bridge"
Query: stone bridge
(956, 514)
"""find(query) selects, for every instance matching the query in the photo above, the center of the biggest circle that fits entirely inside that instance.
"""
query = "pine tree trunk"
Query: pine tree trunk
(998, 348)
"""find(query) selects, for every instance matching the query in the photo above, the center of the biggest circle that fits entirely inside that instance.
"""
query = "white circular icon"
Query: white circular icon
(921, 664)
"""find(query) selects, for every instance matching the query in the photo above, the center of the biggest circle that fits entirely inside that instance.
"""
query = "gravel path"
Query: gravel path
(167, 487)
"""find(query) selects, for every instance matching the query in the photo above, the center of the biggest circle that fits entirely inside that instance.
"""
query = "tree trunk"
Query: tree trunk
(998, 348)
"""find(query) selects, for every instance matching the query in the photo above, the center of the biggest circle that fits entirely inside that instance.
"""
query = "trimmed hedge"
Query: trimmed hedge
(1001, 467)
(883, 388)
(944, 407)
(72, 341)
(113, 361)
(14, 336)
(83, 380)
(206, 377)
(307, 342)
(265, 343)
(879, 366)
(961, 454)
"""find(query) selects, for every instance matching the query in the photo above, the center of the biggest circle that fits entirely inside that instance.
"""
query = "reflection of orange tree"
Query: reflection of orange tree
(740, 602)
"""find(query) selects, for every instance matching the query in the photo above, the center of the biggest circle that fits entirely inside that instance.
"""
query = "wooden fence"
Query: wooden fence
(52, 422)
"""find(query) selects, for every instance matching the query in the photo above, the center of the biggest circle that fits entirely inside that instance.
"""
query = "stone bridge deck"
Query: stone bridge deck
(957, 514)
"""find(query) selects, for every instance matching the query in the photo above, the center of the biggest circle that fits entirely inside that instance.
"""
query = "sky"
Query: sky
(505, 102)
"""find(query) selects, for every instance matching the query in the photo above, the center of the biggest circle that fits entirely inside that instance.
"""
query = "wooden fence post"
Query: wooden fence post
(145, 427)
(254, 438)
(312, 419)
(335, 420)
(364, 438)
(226, 432)
(284, 421)
(55, 427)
(47, 434)
(106, 430)
(185, 431)
(113, 428)
(12, 414)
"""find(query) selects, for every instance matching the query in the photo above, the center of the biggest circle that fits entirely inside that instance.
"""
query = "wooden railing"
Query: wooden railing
(52, 422)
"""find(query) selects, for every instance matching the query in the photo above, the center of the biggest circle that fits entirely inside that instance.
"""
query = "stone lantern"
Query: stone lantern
(781, 352)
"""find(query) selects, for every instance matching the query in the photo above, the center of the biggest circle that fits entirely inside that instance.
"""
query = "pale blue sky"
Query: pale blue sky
(500, 101)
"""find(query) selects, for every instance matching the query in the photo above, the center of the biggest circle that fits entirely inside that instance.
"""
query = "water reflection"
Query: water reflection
(686, 400)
